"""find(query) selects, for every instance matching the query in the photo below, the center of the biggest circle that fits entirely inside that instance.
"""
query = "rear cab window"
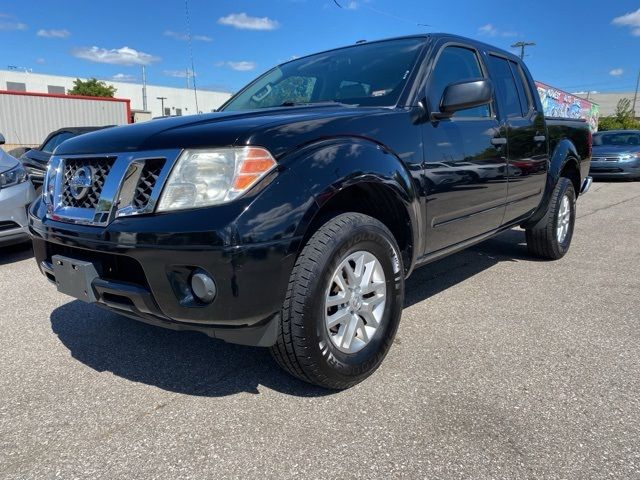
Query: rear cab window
(508, 80)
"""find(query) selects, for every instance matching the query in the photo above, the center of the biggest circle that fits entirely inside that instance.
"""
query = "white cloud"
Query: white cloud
(616, 72)
(53, 33)
(351, 5)
(40, 60)
(243, 21)
(631, 20)
(488, 29)
(8, 22)
(115, 56)
(124, 77)
(178, 73)
(184, 36)
(242, 66)
(491, 30)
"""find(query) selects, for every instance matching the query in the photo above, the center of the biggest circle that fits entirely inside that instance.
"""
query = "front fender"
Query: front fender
(310, 177)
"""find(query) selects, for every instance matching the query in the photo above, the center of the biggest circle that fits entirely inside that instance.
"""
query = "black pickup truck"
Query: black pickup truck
(291, 217)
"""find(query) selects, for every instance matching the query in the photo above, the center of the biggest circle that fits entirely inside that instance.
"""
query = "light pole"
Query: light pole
(162, 99)
(635, 96)
(144, 88)
(522, 46)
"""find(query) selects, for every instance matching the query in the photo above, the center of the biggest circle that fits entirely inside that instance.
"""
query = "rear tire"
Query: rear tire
(343, 303)
(551, 237)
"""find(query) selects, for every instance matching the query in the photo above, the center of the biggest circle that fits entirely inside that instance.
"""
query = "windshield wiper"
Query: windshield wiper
(290, 103)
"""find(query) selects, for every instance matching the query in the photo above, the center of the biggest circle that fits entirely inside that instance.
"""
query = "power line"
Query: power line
(387, 14)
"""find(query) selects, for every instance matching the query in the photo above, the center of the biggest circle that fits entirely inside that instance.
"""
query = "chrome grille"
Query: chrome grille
(100, 168)
(147, 181)
(605, 159)
(96, 190)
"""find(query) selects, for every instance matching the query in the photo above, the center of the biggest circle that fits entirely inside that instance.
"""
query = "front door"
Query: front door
(465, 158)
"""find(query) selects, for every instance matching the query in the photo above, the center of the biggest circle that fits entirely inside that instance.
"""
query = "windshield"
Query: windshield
(619, 139)
(56, 140)
(366, 74)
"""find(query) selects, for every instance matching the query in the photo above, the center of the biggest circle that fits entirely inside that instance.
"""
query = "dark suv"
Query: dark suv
(291, 218)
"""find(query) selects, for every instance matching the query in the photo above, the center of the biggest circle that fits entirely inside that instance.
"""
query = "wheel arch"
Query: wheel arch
(562, 163)
(354, 174)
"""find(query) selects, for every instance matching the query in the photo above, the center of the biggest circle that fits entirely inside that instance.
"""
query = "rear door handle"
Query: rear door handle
(539, 138)
(498, 141)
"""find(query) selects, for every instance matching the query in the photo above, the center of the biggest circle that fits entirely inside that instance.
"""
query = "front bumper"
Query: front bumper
(14, 201)
(145, 263)
(613, 169)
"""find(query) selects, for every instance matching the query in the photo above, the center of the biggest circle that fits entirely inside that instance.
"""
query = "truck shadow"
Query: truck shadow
(15, 253)
(193, 364)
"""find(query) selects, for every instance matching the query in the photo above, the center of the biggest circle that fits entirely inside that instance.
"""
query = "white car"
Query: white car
(16, 193)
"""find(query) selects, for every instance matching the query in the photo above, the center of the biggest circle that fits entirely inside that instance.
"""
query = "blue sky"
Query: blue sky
(581, 45)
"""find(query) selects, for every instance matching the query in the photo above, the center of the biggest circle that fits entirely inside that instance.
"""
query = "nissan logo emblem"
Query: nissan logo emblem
(81, 182)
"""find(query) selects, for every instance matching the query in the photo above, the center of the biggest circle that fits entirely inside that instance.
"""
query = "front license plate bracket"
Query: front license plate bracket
(75, 277)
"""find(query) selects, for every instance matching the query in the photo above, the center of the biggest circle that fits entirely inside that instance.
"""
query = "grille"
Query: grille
(605, 159)
(8, 225)
(148, 178)
(100, 168)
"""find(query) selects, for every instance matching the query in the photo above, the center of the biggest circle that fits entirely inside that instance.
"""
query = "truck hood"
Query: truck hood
(7, 162)
(221, 129)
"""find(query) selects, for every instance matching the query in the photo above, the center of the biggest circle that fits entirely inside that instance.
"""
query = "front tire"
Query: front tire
(551, 237)
(343, 303)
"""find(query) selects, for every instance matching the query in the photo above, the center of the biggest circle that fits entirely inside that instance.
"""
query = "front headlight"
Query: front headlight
(13, 177)
(630, 157)
(201, 178)
(48, 187)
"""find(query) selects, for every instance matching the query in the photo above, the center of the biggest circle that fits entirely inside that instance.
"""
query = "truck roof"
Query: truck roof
(426, 36)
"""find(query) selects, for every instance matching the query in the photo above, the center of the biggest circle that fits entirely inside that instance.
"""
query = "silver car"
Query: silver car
(16, 193)
(616, 153)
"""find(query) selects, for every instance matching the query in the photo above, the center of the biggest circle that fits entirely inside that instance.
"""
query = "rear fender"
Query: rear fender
(564, 153)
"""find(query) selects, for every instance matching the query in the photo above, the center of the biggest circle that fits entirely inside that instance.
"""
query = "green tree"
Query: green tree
(92, 88)
(623, 119)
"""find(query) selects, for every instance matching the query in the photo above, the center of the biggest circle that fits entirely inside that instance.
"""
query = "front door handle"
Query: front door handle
(539, 138)
(498, 141)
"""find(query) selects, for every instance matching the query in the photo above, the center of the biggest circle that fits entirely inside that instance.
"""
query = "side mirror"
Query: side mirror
(2, 139)
(463, 95)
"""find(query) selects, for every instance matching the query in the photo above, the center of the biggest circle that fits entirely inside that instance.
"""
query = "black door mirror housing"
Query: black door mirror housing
(462, 95)
(2, 140)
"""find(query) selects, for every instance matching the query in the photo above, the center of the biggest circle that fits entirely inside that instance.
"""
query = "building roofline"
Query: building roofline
(72, 78)
(62, 95)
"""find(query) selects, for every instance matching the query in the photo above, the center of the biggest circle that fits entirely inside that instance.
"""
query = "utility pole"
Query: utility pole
(522, 46)
(193, 68)
(162, 99)
(144, 88)
(635, 96)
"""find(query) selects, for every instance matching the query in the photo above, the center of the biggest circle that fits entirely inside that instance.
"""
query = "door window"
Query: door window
(523, 90)
(456, 64)
(505, 85)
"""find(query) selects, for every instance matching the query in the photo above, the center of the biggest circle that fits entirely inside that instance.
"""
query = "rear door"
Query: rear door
(527, 143)
(465, 156)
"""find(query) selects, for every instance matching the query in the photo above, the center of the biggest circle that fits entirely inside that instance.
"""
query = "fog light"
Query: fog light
(203, 286)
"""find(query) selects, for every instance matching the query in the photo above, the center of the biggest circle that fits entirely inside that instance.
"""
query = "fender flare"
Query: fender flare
(312, 175)
(345, 162)
(563, 154)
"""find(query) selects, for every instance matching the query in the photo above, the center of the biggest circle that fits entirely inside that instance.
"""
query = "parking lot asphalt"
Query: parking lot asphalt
(504, 367)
